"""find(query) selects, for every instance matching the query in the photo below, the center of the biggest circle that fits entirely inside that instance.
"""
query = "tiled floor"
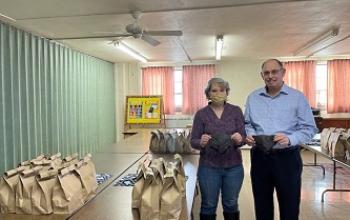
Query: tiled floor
(335, 207)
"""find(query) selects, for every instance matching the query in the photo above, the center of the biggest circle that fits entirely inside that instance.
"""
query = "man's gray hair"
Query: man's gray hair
(216, 81)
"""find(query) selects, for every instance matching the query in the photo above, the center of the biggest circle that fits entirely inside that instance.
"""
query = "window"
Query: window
(321, 85)
(178, 89)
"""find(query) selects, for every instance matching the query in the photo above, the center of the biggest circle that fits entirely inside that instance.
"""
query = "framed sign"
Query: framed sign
(144, 109)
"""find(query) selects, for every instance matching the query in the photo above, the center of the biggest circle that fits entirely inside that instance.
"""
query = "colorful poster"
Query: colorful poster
(143, 110)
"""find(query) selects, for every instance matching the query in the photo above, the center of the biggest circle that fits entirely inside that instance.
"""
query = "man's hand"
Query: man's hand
(250, 140)
(281, 139)
(237, 138)
(204, 140)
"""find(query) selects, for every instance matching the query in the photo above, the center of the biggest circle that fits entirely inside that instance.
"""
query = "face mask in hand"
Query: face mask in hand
(218, 98)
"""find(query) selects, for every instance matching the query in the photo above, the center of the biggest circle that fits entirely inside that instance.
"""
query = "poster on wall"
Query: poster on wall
(143, 109)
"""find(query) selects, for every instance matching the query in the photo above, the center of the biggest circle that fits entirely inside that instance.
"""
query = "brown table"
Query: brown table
(339, 120)
(115, 201)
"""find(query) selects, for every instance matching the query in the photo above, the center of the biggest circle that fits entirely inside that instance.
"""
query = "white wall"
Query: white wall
(127, 82)
(243, 77)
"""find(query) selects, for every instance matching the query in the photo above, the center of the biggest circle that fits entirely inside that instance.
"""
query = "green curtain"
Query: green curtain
(52, 99)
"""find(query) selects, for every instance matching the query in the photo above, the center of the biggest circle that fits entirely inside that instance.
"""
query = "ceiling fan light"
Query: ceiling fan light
(219, 45)
(121, 46)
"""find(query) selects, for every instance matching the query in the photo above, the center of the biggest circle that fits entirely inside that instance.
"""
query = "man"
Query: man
(284, 114)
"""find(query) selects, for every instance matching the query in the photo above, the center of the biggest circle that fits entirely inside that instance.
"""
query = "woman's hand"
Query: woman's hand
(250, 140)
(205, 139)
(237, 138)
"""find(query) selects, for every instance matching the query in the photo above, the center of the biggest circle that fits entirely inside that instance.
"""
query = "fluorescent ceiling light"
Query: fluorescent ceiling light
(7, 17)
(219, 46)
(121, 46)
(317, 42)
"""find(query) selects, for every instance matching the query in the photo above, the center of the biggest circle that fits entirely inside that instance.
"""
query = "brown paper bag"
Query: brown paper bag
(345, 139)
(158, 167)
(70, 158)
(181, 180)
(180, 143)
(37, 161)
(170, 142)
(68, 193)
(187, 145)
(181, 176)
(55, 156)
(46, 164)
(24, 190)
(25, 164)
(139, 184)
(31, 163)
(325, 134)
(68, 161)
(330, 141)
(87, 173)
(154, 143)
(340, 130)
(162, 144)
(150, 204)
(42, 191)
(8, 185)
(137, 189)
(153, 186)
(56, 160)
(171, 197)
(39, 157)
(337, 147)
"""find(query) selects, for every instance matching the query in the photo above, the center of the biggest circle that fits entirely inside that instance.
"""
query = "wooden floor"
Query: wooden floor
(335, 207)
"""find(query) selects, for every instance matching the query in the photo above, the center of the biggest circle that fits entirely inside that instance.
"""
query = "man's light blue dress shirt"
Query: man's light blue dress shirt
(289, 112)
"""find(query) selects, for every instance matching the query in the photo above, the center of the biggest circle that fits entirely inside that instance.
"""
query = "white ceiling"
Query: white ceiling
(252, 29)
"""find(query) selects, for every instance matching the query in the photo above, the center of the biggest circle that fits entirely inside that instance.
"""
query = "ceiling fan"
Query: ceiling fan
(133, 30)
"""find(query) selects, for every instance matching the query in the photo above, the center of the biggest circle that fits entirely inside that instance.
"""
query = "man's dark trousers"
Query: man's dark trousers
(280, 170)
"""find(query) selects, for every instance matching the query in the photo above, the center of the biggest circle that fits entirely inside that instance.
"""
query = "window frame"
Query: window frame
(178, 107)
(323, 84)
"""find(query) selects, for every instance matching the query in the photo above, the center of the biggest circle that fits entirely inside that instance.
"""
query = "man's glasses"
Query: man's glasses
(272, 72)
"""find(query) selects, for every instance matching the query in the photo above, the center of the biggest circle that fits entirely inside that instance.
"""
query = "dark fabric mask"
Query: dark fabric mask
(264, 142)
(220, 142)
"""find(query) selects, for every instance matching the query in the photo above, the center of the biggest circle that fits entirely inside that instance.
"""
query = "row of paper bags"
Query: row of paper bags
(171, 142)
(48, 185)
(160, 190)
(336, 142)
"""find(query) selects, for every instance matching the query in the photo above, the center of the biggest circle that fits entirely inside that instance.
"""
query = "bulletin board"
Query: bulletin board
(144, 110)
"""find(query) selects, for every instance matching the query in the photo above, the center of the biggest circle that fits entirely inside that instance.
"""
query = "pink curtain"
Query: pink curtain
(338, 86)
(195, 79)
(160, 81)
(301, 75)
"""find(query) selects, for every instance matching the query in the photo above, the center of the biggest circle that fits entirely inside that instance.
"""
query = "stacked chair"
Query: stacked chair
(171, 142)
(336, 142)
(160, 190)
(48, 184)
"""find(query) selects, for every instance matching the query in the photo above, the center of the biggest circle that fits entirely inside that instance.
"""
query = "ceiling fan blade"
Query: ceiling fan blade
(92, 37)
(164, 33)
(150, 40)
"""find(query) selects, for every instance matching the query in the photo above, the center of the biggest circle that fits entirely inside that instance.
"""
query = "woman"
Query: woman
(218, 132)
